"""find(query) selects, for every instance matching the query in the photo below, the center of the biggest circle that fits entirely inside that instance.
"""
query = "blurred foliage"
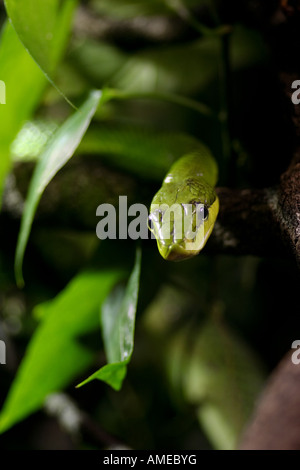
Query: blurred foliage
(209, 330)
(22, 96)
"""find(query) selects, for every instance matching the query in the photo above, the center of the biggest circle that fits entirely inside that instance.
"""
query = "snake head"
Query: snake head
(183, 228)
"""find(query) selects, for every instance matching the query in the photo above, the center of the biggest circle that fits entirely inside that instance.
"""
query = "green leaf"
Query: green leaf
(32, 139)
(118, 325)
(146, 153)
(112, 374)
(24, 83)
(55, 355)
(43, 28)
(96, 60)
(55, 156)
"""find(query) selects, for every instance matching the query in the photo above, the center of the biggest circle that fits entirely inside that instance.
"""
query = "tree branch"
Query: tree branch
(248, 223)
(259, 222)
(275, 424)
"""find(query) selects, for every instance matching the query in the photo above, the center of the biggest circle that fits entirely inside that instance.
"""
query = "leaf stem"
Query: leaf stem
(201, 108)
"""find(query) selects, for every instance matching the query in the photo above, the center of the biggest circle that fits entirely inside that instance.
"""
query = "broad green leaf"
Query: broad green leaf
(97, 60)
(55, 355)
(24, 83)
(56, 154)
(118, 325)
(43, 28)
(32, 139)
(219, 376)
(143, 152)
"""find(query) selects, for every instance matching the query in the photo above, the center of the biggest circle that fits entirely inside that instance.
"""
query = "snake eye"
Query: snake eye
(203, 212)
(155, 217)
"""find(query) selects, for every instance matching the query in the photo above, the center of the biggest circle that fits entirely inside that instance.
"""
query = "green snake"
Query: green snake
(191, 179)
(188, 187)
